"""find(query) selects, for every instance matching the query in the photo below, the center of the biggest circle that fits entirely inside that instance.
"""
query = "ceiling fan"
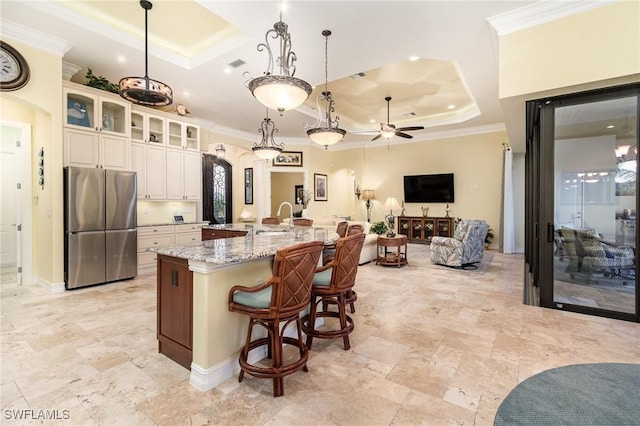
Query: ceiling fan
(388, 130)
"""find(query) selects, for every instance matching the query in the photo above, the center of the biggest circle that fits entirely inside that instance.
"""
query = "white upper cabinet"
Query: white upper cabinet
(148, 128)
(87, 109)
(183, 135)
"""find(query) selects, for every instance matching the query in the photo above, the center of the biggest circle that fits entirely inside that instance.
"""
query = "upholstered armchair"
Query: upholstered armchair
(464, 248)
(587, 253)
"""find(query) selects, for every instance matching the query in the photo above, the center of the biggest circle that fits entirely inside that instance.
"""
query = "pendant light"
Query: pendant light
(268, 148)
(330, 133)
(143, 90)
(281, 91)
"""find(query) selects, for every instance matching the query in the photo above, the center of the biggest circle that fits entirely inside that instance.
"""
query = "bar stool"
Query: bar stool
(330, 250)
(302, 221)
(351, 295)
(271, 221)
(330, 284)
(278, 300)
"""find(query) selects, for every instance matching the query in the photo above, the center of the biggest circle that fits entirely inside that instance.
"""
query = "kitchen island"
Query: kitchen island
(195, 327)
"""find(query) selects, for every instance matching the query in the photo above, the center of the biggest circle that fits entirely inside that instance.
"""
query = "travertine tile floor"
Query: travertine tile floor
(431, 346)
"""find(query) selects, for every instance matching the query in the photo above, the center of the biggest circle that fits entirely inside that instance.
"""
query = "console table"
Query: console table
(420, 229)
(392, 250)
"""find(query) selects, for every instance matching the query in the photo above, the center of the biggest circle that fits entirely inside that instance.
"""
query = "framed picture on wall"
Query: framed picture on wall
(298, 194)
(288, 159)
(248, 185)
(320, 187)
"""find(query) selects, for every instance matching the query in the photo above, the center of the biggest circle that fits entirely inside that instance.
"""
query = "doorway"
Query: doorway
(217, 201)
(15, 210)
(584, 186)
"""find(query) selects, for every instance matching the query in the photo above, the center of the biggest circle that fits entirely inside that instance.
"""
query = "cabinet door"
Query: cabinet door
(192, 175)
(115, 152)
(138, 127)
(404, 226)
(156, 130)
(416, 229)
(175, 294)
(444, 227)
(139, 165)
(156, 172)
(429, 229)
(192, 140)
(115, 117)
(175, 137)
(175, 174)
(80, 109)
(81, 148)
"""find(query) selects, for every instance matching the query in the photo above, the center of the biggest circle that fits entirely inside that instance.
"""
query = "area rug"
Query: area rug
(420, 255)
(585, 394)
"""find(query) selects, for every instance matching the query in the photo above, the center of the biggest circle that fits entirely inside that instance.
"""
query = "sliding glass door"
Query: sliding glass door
(587, 202)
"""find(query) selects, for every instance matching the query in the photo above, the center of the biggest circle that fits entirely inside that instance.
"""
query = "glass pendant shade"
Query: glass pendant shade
(388, 134)
(267, 153)
(144, 90)
(280, 93)
(326, 136)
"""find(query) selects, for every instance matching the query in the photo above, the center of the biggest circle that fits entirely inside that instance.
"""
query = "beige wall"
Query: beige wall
(39, 104)
(592, 46)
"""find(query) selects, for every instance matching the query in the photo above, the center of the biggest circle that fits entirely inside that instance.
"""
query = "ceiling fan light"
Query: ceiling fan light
(145, 91)
(388, 134)
(326, 136)
(279, 92)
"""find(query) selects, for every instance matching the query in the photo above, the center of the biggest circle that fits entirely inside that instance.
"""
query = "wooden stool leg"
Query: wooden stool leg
(245, 352)
(343, 320)
(311, 321)
(301, 345)
(276, 344)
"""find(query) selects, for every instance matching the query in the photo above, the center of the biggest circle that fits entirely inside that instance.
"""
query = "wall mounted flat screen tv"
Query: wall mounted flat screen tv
(429, 188)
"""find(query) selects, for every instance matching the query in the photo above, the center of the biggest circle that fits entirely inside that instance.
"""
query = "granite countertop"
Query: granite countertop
(261, 241)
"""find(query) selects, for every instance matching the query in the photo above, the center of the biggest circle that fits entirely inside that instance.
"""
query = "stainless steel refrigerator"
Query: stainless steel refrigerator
(100, 226)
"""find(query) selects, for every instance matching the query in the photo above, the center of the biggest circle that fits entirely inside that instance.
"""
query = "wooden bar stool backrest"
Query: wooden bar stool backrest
(302, 221)
(356, 228)
(270, 221)
(345, 262)
(341, 229)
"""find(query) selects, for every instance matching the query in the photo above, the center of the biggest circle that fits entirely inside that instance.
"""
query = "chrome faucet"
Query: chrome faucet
(290, 211)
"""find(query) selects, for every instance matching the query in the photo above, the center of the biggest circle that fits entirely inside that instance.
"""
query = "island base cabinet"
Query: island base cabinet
(175, 309)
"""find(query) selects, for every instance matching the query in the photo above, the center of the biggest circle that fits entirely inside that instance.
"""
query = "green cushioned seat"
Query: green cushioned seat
(259, 299)
(323, 278)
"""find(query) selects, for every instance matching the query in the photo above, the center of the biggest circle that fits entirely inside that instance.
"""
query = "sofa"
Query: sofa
(369, 248)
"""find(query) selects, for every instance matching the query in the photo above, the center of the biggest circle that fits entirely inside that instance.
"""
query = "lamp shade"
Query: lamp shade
(368, 194)
(326, 136)
(267, 153)
(280, 93)
(392, 203)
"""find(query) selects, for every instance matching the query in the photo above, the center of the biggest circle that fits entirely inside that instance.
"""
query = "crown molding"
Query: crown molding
(540, 13)
(33, 38)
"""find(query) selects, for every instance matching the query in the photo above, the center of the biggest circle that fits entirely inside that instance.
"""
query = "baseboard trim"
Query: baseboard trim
(53, 287)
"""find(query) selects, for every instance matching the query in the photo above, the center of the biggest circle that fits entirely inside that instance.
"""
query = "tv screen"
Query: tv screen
(429, 188)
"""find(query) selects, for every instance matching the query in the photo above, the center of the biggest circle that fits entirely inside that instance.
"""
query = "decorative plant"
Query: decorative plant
(297, 214)
(379, 228)
(100, 82)
(306, 197)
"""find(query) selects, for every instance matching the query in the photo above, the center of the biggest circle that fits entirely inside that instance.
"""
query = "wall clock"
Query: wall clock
(14, 71)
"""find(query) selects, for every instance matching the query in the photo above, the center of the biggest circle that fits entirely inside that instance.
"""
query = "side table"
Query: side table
(392, 250)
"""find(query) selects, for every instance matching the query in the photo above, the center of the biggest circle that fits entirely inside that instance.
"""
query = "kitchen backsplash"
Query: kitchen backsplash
(156, 212)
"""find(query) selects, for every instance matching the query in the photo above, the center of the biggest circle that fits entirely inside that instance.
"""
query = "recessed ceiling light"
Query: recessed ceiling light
(186, 93)
(227, 70)
(357, 75)
(121, 59)
(611, 126)
(414, 58)
(372, 121)
(452, 106)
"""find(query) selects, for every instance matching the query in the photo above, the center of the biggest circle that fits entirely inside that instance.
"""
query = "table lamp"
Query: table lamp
(368, 195)
(391, 203)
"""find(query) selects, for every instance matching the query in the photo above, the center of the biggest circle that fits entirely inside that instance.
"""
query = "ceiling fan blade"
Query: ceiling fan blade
(377, 137)
(403, 135)
(406, 129)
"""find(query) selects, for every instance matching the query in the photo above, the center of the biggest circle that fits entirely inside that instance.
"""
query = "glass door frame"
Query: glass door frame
(540, 187)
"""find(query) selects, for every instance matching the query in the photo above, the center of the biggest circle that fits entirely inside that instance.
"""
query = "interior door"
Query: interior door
(10, 206)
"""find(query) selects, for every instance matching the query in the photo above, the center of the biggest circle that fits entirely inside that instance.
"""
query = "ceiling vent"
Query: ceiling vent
(358, 75)
(409, 114)
(237, 63)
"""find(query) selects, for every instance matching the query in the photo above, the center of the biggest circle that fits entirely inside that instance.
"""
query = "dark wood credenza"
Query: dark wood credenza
(420, 229)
